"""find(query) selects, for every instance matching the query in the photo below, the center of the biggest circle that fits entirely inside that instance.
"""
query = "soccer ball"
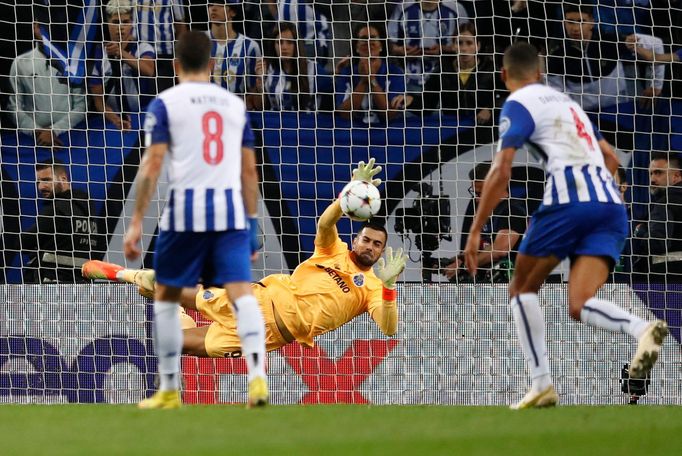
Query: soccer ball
(360, 200)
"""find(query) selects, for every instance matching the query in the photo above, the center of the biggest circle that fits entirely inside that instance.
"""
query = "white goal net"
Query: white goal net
(415, 85)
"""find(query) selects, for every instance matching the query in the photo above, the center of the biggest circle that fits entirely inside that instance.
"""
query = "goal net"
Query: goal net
(415, 85)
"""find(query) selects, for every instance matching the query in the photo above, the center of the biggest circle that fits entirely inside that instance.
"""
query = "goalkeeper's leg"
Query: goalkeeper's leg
(145, 279)
(95, 269)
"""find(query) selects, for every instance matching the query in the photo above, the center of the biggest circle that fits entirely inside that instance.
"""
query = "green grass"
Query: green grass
(338, 430)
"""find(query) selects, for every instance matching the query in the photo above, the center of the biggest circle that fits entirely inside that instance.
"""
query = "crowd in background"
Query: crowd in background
(367, 61)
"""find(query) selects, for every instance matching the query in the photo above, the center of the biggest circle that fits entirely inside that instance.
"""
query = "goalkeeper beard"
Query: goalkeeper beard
(365, 259)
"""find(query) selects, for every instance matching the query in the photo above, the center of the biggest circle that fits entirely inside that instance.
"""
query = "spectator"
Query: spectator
(66, 233)
(500, 236)
(44, 103)
(660, 241)
(160, 23)
(288, 80)
(623, 269)
(619, 18)
(466, 86)
(367, 86)
(648, 53)
(420, 32)
(591, 70)
(235, 55)
(313, 26)
(120, 82)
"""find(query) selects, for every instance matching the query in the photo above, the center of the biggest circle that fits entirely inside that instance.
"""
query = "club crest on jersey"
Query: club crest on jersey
(149, 122)
(505, 123)
(359, 279)
(208, 294)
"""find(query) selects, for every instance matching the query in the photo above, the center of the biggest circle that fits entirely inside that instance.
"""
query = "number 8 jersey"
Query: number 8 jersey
(557, 131)
(205, 127)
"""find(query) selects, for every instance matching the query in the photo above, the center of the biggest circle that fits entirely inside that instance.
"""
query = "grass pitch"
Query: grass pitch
(338, 430)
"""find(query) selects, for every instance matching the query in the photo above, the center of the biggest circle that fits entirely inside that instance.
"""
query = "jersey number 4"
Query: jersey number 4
(212, 126)
(580, 126)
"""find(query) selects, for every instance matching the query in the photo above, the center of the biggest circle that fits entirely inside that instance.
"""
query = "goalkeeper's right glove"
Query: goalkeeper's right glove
(366, 172)
(388, 270)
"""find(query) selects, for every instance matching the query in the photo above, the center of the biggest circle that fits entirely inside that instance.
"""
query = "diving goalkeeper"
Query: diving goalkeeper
(326, 291)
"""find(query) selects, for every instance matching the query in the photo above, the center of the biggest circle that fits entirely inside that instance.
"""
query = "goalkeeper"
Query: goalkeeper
(326, 291)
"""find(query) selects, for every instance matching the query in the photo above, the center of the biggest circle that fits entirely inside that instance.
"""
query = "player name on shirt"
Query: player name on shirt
(209, 99)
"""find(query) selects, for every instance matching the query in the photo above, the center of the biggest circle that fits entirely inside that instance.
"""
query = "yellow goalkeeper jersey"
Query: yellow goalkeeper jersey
(325, 291)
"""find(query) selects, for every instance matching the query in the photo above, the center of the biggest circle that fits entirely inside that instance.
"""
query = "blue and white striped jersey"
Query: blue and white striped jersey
(234, 63)
(205, 128)
(156, 21)
(559, 133)
(411, 26)
(313, 27)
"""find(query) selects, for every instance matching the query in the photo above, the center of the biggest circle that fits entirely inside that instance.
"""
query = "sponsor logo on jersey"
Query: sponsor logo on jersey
(335, 277)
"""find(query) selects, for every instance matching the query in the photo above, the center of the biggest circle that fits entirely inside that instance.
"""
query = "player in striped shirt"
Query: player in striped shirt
(420, 31)
(582, 217)
(160, 23)
(235, 55)
(208, 229)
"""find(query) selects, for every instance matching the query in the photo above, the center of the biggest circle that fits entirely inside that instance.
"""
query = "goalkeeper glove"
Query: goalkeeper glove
(388, 270)
(253, 234)
(366, 172)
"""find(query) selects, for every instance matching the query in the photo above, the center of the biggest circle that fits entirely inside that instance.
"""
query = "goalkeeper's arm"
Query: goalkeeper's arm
(326, 226)
(388, 270)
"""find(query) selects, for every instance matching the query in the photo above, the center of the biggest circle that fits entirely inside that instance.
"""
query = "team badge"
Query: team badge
(149, 122)
(505, 123)
(208, 294)
(359, 279)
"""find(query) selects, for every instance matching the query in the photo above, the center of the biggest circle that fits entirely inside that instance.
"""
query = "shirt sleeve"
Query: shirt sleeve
(324, 81)
(343, 86)
(253, 56)
(395, 26)
(516, 125)
(248, 139)
(179, 10)
(597, 133)
(396, 82)
(156, 123)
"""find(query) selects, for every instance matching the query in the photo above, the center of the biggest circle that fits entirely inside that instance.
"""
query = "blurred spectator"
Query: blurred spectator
(500, 22)
(66, 233)
(313, 26)
(500, 236)
(160, 23)
(235, 55)
(623, 269)
(348, 12)
(121, 81)
(619, 18)
(420, 32)
(658, 243)
(288, 80)
(466, 85)
(44, 103)
(367, 86)
(591, 70)
(646, 52)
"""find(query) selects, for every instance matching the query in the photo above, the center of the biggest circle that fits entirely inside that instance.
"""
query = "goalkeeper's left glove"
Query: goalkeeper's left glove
(388, 270)
(253, 234)
(366, 172)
